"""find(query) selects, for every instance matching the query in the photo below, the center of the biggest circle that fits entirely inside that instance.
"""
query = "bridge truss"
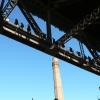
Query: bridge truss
(46, 43)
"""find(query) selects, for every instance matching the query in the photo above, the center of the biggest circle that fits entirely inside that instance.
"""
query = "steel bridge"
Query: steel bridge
(79, 19)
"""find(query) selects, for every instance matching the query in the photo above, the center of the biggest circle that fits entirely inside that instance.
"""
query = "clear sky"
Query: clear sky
(26, 72)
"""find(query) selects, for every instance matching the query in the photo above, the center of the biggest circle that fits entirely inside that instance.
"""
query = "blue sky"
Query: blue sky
(26, 72)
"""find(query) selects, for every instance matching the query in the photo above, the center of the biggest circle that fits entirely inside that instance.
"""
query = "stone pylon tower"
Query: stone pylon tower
(57, 80)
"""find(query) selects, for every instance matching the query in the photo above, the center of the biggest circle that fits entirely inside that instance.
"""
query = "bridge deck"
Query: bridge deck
(41, 44)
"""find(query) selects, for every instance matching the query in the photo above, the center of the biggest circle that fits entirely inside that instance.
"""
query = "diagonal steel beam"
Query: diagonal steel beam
(9, 8)
(2, 4)
(31, 21)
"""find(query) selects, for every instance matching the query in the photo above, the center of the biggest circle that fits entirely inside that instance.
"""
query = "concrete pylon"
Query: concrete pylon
(57, 80)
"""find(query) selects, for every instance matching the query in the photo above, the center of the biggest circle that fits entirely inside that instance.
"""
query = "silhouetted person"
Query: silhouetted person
(63, 45)
(16, 22)
(54, 40)
(71, 50)
(89, 58)
(85, 57)
(78, 53)
(22, 26)
(28, 29)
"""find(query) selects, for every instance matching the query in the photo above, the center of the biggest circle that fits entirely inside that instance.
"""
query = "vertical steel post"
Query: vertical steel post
(48, 24)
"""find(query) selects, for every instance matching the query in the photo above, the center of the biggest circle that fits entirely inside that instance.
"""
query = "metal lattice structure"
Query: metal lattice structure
(84, 23)
(84, 20)
(8, 8)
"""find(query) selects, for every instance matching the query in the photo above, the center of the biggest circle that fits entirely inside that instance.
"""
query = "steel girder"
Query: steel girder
(42, 44)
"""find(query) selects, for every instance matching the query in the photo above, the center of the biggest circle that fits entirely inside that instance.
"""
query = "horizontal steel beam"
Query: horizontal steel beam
(41, 44)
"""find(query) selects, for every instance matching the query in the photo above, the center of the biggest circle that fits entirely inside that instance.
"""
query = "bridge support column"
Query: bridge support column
(57, 80)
